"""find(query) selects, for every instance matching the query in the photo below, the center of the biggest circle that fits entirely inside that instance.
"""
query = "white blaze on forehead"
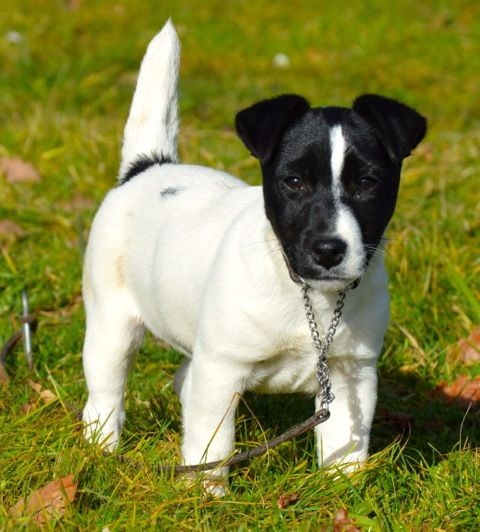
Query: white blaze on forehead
(337, 148)
(346, 225)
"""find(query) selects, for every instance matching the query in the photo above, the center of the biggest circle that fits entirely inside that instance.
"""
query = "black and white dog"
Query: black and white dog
(209, 264)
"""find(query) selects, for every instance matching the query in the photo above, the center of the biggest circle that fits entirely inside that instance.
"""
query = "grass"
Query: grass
(65, 90)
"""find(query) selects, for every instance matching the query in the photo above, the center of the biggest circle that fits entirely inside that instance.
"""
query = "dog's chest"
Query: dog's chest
(290, 371)
(291, 366)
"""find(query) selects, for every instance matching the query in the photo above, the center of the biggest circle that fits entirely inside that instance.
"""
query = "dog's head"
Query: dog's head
(330, 178)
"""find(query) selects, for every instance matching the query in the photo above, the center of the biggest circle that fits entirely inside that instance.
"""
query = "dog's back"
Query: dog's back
(155, 238)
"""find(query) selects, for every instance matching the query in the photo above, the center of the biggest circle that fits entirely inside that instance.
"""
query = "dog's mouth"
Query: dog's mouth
(293, 274)
(319, 278)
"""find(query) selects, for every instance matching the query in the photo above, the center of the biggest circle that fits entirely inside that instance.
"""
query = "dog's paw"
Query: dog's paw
(212, 484)
(345, 465)
(215, 487)
(102, 428)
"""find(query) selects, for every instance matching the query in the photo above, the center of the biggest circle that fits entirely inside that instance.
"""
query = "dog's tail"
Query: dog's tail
(150, 134)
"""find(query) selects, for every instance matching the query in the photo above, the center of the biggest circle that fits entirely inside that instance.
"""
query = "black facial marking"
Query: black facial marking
(142, 163)
(302, 202)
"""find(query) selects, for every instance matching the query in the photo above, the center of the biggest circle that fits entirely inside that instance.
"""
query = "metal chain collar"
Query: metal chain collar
(321, 347)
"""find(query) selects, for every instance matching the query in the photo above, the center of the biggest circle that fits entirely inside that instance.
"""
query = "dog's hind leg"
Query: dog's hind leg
(180, 377)
(113, 334)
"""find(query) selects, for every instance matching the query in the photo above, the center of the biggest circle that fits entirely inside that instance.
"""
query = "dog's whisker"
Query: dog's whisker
(261, 242)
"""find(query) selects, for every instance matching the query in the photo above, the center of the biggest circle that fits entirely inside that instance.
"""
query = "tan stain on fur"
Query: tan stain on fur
(120, 270)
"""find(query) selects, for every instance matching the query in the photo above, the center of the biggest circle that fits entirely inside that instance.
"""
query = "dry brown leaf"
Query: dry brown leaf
(425, 151)
(287, 499)
(28, 407)
(47, 503)
(10, 230)
(467, 350)
(17, 170)
(343, 523)
(35, 386)
(73, 5)
(464, 391)
(46, 395)
(77, 203)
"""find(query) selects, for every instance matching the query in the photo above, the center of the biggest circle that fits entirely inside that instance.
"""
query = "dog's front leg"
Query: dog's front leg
(210, 394)
(344, 438)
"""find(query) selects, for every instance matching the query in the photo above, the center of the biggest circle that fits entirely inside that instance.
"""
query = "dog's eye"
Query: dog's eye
(294, 183)
(368, 182)
(365, 185)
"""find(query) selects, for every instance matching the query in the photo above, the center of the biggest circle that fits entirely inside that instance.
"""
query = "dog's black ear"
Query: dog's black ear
(261, 126)
(401, 127)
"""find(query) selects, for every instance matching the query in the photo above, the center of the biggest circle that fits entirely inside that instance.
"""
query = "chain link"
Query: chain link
(321, 347)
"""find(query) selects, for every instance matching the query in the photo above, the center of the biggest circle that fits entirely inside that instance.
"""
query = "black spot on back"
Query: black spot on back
(170, 191)
(142, 163)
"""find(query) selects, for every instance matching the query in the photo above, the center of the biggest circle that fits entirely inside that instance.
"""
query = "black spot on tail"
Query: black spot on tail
(142, 163)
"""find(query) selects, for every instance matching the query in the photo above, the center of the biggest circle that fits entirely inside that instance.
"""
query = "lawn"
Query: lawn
(66, 79)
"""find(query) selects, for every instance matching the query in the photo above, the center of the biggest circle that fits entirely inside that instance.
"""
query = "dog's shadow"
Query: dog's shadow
(412, 409)
(407, 410)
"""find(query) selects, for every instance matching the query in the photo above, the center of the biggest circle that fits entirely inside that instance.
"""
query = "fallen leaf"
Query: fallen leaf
(287, 499)
(426, 152)
(35, 386)
(28, 407)
(44, 394)
(78, 202)
(73, 5)
(464, 392)
(47, 396)
(10, 230)
(343, 523)
(467, 350)
(47, 503)
(17, 170)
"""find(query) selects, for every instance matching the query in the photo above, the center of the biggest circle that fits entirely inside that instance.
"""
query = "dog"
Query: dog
(213, 266)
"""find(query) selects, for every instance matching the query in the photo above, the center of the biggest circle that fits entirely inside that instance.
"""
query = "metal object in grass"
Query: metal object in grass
(27, 330)
(29, 326)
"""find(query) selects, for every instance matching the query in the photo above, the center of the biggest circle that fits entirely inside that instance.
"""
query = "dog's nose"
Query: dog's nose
(329, 252)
